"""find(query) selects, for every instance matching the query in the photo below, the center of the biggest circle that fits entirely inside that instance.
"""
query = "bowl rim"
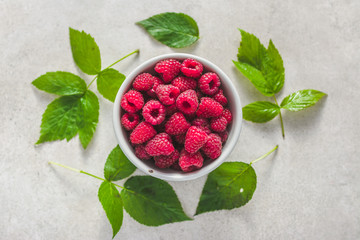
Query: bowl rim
(233, 137)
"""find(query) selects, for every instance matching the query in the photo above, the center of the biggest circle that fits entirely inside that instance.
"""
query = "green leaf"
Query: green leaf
(109, 82)
(117, 165)
(176, 30)
(60, 83)
(85, 52)
(152, 201)
(110, 199)
(274, 70)
(301, 99)
(260, 112)
(229, 186)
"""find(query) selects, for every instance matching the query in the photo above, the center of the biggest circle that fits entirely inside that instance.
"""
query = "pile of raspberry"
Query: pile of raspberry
(177, 116)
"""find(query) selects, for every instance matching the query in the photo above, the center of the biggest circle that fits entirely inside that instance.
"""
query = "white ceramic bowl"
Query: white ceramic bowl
(169, 174)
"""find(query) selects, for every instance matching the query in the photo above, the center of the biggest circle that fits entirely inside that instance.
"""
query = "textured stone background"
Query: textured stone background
(308, 190)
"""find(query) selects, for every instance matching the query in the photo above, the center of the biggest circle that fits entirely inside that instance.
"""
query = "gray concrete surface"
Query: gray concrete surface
(308, 190)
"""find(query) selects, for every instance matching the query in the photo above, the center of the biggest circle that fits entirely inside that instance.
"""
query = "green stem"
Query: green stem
(136, 51)
(281, 120)
(265, 155)
(83, 172)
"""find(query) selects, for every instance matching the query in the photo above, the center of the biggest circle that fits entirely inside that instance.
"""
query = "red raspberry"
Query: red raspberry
(209, 83)
(154, 112)
(184, 83)
(166, 161)
(176, 166)
(177, 124)
(141, 153)
(190, 162)
(142, 133)
(219, 96)
(160, 145)
(143, 82)
(208, 108)
(195, 139)
(167, 94)
(187, 102)
(191, 68)
(224, 135)
(227, 114)
(213, 146)
(157, 82)
(180, 138)
(218, 124)
(168, 69)
(130, 121)
(199, 94)
(202, 123)
(170, 110)
(132, 101)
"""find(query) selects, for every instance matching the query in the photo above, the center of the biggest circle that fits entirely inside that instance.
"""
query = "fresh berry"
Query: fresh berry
(132, 101)
(154, 112)
(213, 146)
(219, 96)
(187, 102)
(191, 68)
(130, 120)
(170, 109)
(168, 69)
(195, 139)
(202, 123)
(160, 145)
(167, 94)
(143, 132)
(152, 91)
(141, 153)
(227, 114)
(208, 108)
(177, 124)
(218, 124)
(209, 83)
(180, 138)
(190, 162)
(143, 82)
(184, 83)
(224, 135)
(166, 161)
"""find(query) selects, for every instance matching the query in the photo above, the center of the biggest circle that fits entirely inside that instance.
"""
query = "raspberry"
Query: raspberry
(195, 139)
(213, 146)
(190, 162)
(132, 101)
(168, 69)
(219, 96)
(141, 153)
(180, 138)
(170, 110)
(177, 124)
(218, 124)
(154, 112)
(184, 83)
(157, 82)
(227, 115)
(143, 82)
(167, 94)
(130, 120)
(160, 145)
(187, 102)
(202, 123)
(142, 133)
(224, 135)
(191, 68)
(199, 94)
(167, 161)
(209, 83)
(208, 107)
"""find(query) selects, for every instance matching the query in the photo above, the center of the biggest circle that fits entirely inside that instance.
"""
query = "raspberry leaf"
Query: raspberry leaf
(230, 186)
(152, 201)
(109, 82)
(176, 30)
(60, 83)
(260, 112)
(117, 165)
(301, 99)
(110, 199)
(85, 52)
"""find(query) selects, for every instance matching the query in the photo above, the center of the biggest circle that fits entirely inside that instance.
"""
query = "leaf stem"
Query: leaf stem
(281, 120)
(265, 155)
